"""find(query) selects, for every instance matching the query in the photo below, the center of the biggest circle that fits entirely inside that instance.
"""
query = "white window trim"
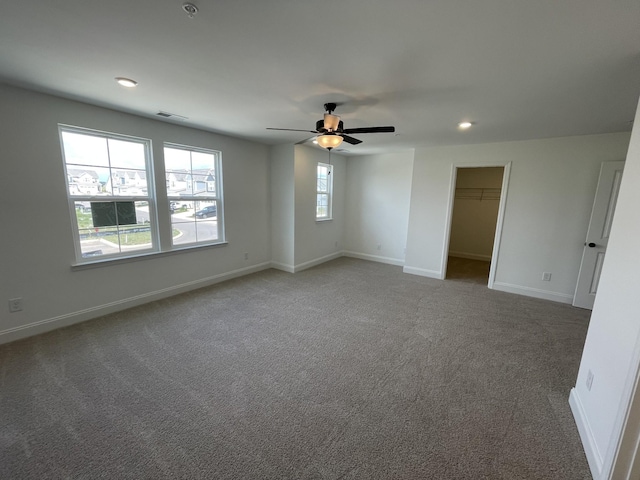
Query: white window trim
(329, 193)
(158, 247)
(150, 198)
(218, 198)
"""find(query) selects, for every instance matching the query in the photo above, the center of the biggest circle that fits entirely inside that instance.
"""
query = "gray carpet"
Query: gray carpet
(348, 370)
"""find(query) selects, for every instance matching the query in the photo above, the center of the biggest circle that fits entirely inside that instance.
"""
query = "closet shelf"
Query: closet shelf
(478, 193)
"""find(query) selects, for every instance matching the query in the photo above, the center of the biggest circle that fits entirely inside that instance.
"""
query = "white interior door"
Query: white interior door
(595, 246)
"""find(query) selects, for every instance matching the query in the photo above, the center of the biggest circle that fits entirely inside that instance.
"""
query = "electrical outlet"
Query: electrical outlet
(379, 247)
(15, 305)
(546, 276)
(246, 256)
(336, 244)
(589, 380)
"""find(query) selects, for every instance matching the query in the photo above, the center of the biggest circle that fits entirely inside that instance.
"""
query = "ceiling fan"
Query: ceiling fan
(331, 131)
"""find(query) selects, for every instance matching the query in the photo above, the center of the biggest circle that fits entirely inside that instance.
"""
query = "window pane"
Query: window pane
(198, 184)
(194, 222)
(176, 183)
(125, 154)
(80, 149)
(191, 175)
(322, 205)
(176, 159)
(323, 199)
(206, 209)
(130, 183)
(96, 241)
(202, 161)
(87, 181)
(323, 174)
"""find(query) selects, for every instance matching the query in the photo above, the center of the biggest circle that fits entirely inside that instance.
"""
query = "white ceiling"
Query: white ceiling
(520, 69)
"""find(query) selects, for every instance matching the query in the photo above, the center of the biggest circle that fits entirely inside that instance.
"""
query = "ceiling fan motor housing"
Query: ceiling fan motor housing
(320, 126)
(330, 107)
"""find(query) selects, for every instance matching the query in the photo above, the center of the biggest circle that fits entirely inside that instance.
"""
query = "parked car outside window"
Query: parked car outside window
(210, 211)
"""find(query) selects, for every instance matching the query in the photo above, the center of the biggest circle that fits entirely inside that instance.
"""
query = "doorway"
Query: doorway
(474, 218)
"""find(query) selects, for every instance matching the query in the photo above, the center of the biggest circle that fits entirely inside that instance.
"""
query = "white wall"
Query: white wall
(473, 222)
(551, 190)
(36, 241)
(612, 348)
(316, 241)
(378, 196)
(282, 206)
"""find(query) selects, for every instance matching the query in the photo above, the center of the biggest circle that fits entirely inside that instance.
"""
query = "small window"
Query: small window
(324, 192)
(194, 191)
(109, 186)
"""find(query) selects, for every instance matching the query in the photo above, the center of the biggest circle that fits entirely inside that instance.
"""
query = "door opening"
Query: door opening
(474, 218)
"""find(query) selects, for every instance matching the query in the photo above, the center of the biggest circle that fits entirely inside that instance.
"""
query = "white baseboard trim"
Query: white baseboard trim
(285, 267)
(423, 272)
(42, 326)
(470, 256)
(594, 458)
(533, 292)
(375, 258)
(317, 261)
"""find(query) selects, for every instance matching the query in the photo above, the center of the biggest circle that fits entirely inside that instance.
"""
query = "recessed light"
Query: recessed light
(190, 9)
(465, 125)
(126, 82)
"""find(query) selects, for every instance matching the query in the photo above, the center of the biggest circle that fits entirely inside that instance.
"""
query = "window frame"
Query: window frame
(149, 198)
(328, 192)
(218, 198)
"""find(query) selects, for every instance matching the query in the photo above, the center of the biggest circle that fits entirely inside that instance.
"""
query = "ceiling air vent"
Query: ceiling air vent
(170, 115)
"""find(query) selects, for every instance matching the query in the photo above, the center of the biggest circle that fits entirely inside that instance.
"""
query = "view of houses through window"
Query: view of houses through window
(112, 196)
(108, 181)
(324, 188)
(193, 190)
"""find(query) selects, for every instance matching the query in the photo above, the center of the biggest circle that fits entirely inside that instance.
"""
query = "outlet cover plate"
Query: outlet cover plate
(15, 305)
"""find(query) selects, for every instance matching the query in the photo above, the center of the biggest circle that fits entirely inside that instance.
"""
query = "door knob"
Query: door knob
(591, 245)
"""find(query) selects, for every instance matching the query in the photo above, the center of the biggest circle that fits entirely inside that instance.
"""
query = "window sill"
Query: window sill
(320, 220)
(142, 256)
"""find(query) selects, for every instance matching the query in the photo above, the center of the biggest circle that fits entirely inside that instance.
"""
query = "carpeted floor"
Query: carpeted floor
(349, 370)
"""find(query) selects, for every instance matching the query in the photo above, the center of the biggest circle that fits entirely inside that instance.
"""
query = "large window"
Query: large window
(110, 187)
(194, 194)
(112, 195)
(324, 182)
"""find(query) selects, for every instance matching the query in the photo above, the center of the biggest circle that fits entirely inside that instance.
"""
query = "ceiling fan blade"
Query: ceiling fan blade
(351, 140)
(292, 130)
(306, 140)
(370, 130)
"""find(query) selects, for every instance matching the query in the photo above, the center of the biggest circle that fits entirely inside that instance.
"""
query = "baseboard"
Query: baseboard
(423, 272)
(533, 292)
(42, 326)
(594, 458)
(375, 258)
(285, 267)
(470, 256)
(316, 261)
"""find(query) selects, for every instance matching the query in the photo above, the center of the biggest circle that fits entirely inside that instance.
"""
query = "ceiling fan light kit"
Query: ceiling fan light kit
(329, 140)
(331, 131)
(331, 122)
